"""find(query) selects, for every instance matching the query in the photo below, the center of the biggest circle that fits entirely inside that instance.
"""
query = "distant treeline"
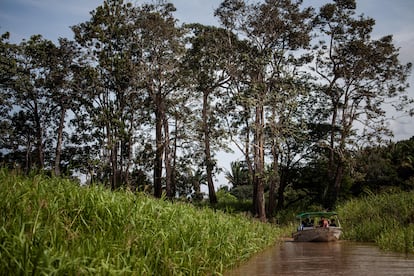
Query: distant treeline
(375, 170)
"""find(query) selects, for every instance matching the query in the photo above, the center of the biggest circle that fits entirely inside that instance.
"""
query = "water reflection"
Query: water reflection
(333, 258)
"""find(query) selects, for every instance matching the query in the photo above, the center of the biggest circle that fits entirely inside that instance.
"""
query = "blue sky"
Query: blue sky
(53, 18)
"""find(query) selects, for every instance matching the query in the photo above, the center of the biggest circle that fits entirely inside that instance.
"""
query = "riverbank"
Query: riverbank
(53, 226)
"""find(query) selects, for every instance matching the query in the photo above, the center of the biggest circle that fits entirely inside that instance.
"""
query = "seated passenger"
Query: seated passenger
(333, 224)
(323, 222)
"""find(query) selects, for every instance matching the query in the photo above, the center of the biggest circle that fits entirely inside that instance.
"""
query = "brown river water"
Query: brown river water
(330, 258)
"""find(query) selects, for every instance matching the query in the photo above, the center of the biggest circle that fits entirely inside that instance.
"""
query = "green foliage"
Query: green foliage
(399, 239)
(242, 192)
(384, 167)
(53, 226)
(386, 219)
(240, 180)
(239, 174)
(229, 203)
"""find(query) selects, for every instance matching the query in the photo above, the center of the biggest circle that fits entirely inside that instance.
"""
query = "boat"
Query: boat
(327, 229)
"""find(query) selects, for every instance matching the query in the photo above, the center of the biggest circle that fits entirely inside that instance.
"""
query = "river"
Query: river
(330, 258)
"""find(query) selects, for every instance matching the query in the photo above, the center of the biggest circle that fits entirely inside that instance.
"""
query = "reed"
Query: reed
(53, 226)
(386, 219)
(401, 239)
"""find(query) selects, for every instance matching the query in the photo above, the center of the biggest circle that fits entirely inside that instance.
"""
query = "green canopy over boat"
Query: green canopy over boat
(316, 214)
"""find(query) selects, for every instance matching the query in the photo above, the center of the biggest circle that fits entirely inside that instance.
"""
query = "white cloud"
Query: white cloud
(403, 128)
(200, 11)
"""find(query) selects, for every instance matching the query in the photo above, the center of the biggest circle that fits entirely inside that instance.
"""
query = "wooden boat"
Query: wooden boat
(328, 229)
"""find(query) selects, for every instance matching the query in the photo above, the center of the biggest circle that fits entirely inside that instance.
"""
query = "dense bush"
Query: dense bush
(387, 219)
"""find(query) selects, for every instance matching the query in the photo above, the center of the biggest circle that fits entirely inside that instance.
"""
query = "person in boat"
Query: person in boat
(323, 222)
(303, 224)
(333, 224)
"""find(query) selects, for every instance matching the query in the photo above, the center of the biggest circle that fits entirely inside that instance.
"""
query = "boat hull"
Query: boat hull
(319, 234)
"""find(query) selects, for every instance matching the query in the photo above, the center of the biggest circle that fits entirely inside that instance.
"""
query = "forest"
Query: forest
(139, 101)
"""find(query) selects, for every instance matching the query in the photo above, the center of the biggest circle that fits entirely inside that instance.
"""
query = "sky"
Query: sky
(53, 18)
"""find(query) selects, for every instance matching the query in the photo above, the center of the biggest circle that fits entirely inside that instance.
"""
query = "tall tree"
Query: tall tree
(207, 60)
(274, 30)
(39, 95)
(31, 101)
(108, 43)
(62, 92)
(162, 47)
(8, 69)
(358, 74)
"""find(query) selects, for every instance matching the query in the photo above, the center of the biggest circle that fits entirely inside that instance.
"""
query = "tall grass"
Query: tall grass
(387, 219)
(53, 226)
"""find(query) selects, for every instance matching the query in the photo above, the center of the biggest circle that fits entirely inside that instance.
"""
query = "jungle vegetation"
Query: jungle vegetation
(141, 102)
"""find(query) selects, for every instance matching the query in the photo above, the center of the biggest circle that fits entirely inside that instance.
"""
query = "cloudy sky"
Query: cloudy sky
(53, 18)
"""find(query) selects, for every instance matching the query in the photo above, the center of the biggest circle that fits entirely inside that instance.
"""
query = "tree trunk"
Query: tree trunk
(39, 139)
(209, 163)
(159, 150)
(174, 162)
(336, 159)
(128, 154)
(274, 182)
(58, 153)
(167, 157)
(281, 190)
(332, 144)
(259, 162)
(338, 181)
(250, 167)
(328, 197)
(114, 167)
(28, 157)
